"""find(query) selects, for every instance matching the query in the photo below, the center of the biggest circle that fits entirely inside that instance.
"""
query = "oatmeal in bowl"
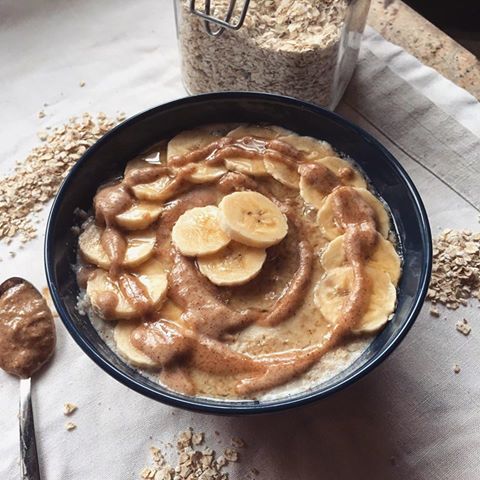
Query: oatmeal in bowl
(239, 262)
(237, 253)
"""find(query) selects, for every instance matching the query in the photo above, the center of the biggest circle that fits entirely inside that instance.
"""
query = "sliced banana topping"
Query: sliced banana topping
(121, 335)
(283, 173)
(110, 302)
(198, 232)
(140, 246)
(160, 190)
(139, 216)
(332, 291)
(252, 219)
(267, 133)
(384, 258)
(311, 148)
(326, 218)
(171, 311)
(206, 173)
(311, 195)
(248, 166)
(252, 166)
(345, 171)
(190, 140)
(236, 264)
(136, 164)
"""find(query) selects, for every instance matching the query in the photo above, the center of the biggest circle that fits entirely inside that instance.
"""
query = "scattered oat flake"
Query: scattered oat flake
(70, 426)
(82, 83)
(41, 114)
(463, 327)
(434, 312)
(36, 178)
(231, 454)
(456, 368)
(197, 438)
(238, 442)
(192, 463)
(456, 268)
(69, 408)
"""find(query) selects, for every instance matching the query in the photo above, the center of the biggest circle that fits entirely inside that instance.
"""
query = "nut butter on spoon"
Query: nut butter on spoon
(27, 342)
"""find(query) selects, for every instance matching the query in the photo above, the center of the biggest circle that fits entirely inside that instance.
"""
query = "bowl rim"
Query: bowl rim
(229, 407)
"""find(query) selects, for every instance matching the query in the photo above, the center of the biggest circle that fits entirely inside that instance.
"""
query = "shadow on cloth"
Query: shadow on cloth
(355, 433)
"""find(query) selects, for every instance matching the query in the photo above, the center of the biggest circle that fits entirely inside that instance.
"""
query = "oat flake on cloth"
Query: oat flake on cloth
(413, 417)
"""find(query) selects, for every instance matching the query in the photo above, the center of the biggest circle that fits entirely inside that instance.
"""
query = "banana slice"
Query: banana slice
(333, 290)
(198, 232)
(236, 264)
(136, 164)
(121, 335)
(108, 299)
(311, 148)
(189, 140)
(248, 166)
(205, 173)
(139, 164)
(171, 311)
(326, 221)
(252, 219)
(283, 173)
(159, 190)
(342, 168)
(268, 132)
(310, 194)
(140, 247)
(384, 258)
(139, 216)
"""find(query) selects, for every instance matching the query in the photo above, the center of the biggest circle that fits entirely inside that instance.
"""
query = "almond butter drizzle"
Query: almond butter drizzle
(320, 177)
(245, 147)
(201, 345)
(109, 202)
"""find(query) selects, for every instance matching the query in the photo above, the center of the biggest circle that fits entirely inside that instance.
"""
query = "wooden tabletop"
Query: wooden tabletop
(402, 25)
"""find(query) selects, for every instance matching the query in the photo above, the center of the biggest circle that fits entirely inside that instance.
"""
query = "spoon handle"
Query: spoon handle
(28, 446)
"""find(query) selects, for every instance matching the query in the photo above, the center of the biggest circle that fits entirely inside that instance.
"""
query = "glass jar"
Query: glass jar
(300, 48)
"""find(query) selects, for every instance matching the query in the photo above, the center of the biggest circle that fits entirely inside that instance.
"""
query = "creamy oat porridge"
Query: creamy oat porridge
(238, 262)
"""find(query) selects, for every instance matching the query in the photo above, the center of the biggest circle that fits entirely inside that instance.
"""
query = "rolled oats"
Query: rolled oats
(36, 179)
(285, 47)
(463, 327)
(69, 408)
(456, 268)
(192, 463)
(70, 426)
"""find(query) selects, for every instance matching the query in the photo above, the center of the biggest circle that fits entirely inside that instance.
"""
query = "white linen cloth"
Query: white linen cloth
(410, 418)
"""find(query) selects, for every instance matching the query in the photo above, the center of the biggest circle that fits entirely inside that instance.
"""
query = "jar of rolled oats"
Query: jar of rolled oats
(301, 48)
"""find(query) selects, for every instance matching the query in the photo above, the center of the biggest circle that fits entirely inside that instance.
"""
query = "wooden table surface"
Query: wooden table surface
(402, 25)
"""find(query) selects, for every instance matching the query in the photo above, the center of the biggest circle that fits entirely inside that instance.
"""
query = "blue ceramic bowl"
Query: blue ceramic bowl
(106, 160)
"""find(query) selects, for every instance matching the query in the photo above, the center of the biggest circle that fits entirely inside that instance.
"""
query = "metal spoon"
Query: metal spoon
(28, 448)
(28, 445)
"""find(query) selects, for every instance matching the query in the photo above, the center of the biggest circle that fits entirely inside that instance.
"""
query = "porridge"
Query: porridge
(238, 262)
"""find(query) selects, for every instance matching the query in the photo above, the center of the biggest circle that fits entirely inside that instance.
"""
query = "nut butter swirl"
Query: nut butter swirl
(200, 338)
